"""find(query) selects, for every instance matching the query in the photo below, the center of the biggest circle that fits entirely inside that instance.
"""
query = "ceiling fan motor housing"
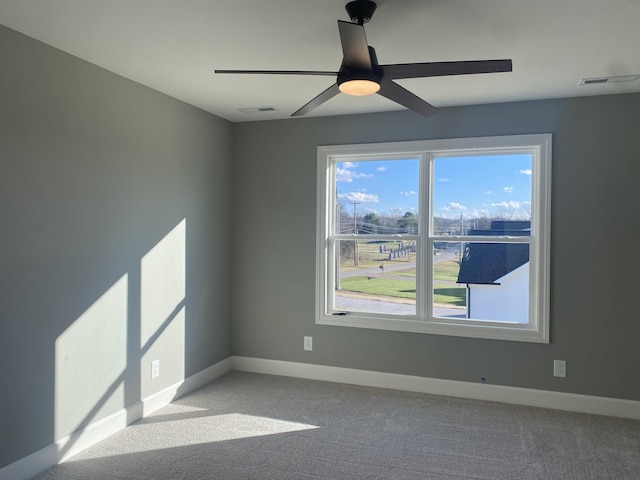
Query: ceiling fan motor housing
(347, 74)
(361, 11)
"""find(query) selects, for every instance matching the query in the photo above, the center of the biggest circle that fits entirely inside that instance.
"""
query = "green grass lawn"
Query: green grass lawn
(380, 286)
(393, 287)
(447, 271)
(446, 294)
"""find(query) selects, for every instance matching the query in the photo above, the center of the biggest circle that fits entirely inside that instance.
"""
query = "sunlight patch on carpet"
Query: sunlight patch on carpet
(181, 432)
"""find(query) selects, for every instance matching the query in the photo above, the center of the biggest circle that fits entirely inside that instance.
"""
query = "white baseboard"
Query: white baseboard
(31, 465)
(177, 390)
(572, 402)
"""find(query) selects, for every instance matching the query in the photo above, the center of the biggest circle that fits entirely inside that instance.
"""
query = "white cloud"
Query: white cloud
(508, 189)
(488, 192)
(526, 172)
(478, 213)
(396, 210)
(346, 173)
(381, 169)
(408, 194)
(453, 206)
(510, 204)
(358, 197)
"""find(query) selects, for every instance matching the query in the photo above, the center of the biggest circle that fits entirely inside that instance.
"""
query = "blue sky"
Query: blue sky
(471, 186)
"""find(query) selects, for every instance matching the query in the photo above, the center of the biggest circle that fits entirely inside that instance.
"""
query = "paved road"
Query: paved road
(450, 254)
(392, 308)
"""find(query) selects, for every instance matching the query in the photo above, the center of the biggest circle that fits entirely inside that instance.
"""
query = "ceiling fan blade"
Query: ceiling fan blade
(354, 46)
(438, 69)
(328, 94)
(278, 72)
(401, 95)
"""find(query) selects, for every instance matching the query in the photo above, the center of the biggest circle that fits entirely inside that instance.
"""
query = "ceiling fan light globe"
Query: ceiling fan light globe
(359, 88)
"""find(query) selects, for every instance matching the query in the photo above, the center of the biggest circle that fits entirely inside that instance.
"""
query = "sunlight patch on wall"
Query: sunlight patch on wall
(162, 310)
(90, 360)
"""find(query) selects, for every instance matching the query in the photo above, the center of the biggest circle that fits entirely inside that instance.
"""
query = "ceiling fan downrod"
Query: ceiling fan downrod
(361, 11)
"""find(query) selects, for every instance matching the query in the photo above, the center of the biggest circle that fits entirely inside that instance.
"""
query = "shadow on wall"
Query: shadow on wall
(103, 359)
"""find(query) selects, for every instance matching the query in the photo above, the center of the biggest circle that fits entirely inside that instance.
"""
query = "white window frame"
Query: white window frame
(538, 145)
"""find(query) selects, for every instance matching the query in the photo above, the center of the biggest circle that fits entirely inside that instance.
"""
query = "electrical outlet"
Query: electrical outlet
(560, 368)
(155, 369)
(308, 343)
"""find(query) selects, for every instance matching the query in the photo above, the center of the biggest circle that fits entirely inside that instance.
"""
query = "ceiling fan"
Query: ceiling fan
(360, 74)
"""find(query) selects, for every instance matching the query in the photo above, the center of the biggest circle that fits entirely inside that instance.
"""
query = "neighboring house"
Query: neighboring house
(497, 275)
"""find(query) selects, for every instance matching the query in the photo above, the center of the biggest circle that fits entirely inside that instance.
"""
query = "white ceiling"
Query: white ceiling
(174, 45)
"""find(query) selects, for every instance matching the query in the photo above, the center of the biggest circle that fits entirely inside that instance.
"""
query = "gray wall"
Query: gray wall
(119, 208)
(595, 325)
(114, 198)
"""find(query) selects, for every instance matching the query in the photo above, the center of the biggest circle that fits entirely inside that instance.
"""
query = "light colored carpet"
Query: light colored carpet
(250, 426)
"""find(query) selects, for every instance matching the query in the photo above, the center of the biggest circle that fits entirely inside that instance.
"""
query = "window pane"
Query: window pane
(482, 195)
(375, 276)
(490, 283)
(449, 296)
(377, 197)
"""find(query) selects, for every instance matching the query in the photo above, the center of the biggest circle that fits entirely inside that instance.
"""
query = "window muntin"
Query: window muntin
(427, 297)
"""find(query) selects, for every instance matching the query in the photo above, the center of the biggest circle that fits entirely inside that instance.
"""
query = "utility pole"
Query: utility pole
(355, 231)
(461, 243)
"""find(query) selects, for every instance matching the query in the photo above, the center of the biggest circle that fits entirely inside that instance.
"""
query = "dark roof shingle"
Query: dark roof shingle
(485, 263)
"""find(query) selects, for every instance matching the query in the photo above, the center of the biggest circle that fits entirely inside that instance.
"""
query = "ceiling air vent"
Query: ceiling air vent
(618, 79)
(257, 109)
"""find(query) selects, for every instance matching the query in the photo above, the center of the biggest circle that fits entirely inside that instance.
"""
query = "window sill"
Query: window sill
(493, 331)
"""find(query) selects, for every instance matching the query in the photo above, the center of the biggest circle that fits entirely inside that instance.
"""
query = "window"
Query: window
(443, 236)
